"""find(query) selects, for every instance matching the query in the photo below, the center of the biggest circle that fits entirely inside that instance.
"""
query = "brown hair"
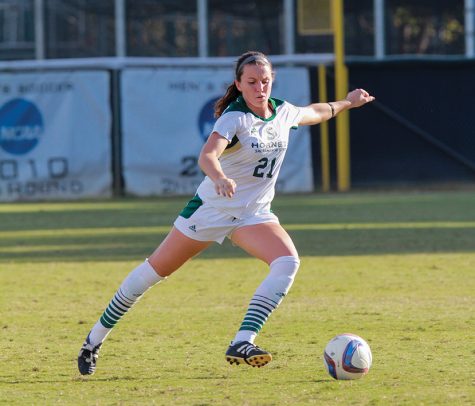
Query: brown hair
(232, 92)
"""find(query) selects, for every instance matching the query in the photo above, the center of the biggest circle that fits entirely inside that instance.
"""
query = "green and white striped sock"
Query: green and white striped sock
(267, 297)
(130, 291)
(259, 310)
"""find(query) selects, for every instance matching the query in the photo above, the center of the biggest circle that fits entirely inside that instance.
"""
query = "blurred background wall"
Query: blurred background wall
(415, 56)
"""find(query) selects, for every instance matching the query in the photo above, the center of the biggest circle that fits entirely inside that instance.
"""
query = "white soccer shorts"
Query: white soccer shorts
(202, 222)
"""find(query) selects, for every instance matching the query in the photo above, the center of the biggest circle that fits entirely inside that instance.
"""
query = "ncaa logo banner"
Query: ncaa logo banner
(54, 136)
(167, 115)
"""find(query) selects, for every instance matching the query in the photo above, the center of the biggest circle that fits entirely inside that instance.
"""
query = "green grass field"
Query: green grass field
(396, 268)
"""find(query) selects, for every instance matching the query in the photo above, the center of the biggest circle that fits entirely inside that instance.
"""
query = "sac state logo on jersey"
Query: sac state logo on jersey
(270, 133)
(21, 126)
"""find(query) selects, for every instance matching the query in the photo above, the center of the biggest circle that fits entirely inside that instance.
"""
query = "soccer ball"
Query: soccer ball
(347, 356)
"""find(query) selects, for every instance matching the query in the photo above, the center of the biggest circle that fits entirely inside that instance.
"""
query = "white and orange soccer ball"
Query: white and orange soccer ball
(347, 356)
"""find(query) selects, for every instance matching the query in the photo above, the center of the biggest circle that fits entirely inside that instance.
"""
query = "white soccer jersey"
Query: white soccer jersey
(254, 156)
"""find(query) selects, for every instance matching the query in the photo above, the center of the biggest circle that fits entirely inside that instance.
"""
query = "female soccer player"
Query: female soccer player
(241, 159)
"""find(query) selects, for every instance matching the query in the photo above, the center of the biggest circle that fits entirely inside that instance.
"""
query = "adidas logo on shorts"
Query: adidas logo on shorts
(192, 228)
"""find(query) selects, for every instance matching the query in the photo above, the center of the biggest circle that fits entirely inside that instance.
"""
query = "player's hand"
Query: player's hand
(358, 97)
(225, 187)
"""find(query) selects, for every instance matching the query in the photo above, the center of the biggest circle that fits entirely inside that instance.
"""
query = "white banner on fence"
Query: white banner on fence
(54, 135)
(167, 114)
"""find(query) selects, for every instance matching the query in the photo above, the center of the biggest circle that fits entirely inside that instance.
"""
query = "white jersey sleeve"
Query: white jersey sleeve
(293, 115)
(228, 124)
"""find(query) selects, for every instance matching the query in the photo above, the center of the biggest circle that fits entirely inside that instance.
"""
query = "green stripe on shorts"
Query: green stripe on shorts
(191, 207)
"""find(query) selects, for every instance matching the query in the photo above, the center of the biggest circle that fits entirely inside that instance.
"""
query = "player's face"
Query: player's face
(255, 86)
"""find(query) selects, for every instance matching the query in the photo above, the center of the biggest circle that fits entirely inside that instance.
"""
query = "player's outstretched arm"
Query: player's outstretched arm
(317, 112)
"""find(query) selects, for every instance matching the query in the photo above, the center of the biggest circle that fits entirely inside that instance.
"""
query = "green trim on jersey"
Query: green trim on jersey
(233, 146)
(240, 105)
(193, 205)
(233, 142)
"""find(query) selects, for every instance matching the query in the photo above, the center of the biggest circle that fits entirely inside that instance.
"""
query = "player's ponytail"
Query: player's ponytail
(232, 92)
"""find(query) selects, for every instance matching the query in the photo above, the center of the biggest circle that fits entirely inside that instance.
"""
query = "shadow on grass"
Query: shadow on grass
(131, 229)
(76, 219)
(117, 246)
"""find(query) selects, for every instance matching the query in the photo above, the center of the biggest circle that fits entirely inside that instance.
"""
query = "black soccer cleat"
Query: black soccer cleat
(87, 358)
(245, 352)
